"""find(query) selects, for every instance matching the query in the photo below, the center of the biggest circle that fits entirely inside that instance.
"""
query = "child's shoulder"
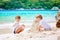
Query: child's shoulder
(42, 21)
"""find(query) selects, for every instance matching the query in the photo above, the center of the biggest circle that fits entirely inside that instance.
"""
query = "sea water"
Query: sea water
(26, 15)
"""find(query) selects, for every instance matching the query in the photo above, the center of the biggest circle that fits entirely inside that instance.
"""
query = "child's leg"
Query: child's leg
(42, 29)
(19, 29)
(47, 29)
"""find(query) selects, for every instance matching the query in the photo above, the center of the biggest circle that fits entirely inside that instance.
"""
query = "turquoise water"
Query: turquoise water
(9, 15)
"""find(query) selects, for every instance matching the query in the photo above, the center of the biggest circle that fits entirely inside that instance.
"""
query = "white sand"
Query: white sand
(29, 36)
(7, 34)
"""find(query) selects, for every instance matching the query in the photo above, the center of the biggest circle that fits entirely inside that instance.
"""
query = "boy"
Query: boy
(18, 28)
(42, 24)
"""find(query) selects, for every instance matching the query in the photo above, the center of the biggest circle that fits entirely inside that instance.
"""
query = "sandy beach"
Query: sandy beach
(6, 33)
(32, 14)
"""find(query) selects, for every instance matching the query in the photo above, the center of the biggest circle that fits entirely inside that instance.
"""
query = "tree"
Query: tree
(29, 4)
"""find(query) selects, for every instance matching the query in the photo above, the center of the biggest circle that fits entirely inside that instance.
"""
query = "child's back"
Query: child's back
(45, 25)
(34, 27)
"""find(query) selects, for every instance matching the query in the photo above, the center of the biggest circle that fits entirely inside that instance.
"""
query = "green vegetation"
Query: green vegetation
(29, 4)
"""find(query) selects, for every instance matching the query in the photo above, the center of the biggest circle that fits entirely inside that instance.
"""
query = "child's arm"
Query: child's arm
(40, 28)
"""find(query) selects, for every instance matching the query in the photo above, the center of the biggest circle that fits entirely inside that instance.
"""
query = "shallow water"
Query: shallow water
(26, 15)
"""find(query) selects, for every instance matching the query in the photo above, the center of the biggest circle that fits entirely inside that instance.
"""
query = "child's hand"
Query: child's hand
(23, 26)
(42, 29)
(38, 28)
